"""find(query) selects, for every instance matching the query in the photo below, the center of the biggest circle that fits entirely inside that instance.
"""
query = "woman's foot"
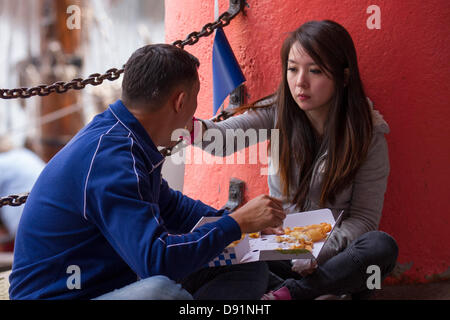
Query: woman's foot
(280, 294)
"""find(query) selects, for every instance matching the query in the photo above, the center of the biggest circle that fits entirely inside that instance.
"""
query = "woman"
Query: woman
(332, 154)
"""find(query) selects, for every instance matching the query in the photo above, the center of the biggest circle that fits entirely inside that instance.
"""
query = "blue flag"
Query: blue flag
(227, 74)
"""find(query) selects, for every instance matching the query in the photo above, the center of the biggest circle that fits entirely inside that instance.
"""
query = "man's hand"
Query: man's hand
(259, 213)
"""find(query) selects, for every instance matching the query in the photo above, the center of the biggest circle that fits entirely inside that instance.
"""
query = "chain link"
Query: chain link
(112, 74)
(14, 200)
(223, 20)
(61, 87)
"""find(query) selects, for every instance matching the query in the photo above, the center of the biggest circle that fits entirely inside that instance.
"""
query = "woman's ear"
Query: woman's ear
(346, 76)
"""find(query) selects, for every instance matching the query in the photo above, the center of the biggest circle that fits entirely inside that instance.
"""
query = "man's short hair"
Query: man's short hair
(154, 70)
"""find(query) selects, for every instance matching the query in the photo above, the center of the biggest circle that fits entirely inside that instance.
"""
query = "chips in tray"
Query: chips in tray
(253, 235)
(235, 243)
(303, 237)
(296, 237)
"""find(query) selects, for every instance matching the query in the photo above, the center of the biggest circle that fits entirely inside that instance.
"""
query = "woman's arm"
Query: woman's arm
(367, 200)
(224, 138)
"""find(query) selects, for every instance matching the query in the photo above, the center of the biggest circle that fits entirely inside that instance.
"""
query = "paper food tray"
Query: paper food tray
(267, 248)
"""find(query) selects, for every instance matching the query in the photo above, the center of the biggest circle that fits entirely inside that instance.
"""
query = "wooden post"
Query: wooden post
(56, 134)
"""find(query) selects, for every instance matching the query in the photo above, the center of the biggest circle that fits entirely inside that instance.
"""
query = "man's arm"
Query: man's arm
(133, 225)
(181, 213)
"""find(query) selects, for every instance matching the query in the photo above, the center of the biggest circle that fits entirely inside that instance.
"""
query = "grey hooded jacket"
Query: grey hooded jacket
(361, 202)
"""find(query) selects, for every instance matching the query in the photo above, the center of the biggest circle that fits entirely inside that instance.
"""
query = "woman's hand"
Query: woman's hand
(190, 124)
(304, 266)
(196, 129)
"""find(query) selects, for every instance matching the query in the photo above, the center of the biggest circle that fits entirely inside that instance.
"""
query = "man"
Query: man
(100, 215)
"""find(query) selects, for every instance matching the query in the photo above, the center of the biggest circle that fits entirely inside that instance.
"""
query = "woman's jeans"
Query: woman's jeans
(345, 273)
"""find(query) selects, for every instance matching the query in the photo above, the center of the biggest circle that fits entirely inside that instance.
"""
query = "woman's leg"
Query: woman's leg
(247, 281)
(279, 271)
(153, 288)
(347, 272)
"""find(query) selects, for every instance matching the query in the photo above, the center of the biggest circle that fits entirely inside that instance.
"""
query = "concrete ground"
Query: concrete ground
(428, 291)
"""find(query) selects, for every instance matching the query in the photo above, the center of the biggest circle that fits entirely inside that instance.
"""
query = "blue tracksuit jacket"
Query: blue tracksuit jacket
(101, 205)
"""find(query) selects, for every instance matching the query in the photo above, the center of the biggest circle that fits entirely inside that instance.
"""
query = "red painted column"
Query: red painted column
(405, 68)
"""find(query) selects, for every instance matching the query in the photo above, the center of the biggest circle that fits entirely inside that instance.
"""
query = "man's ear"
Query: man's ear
(346, 76)
(179, 100)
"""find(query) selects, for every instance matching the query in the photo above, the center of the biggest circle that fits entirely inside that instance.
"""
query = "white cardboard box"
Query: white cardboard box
(265, 247)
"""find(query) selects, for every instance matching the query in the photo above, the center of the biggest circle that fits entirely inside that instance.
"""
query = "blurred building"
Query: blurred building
(39, 48)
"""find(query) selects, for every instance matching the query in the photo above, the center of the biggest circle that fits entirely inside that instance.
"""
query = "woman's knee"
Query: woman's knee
(380, 248)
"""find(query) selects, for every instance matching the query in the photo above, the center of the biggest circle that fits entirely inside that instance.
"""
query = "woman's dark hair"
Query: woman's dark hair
(154, 70)
(348, 128)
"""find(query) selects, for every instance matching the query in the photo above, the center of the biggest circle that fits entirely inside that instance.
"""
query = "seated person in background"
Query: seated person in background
(101, 222)
(19, 169)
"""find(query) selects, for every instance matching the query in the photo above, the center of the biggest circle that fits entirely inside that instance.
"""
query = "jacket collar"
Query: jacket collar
(126, 118)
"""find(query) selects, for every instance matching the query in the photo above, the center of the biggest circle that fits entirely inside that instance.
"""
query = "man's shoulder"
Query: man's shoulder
(96, 133)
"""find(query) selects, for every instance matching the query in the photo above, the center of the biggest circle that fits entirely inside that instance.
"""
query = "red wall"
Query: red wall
(405, 67)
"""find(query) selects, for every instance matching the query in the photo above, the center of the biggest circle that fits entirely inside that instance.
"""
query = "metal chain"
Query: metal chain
(61, 87)
(14, 200)
(114, 74)
(223, 20)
